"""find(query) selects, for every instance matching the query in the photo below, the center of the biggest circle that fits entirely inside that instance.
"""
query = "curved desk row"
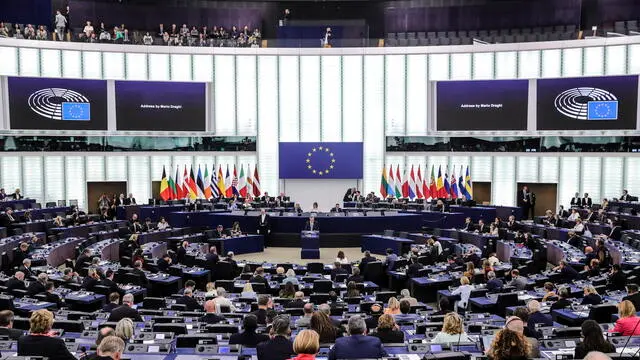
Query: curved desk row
(55, 254)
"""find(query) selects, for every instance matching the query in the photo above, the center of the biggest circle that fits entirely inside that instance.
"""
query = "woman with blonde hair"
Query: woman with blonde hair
(393, 306)
(290, 277)
(388, 331)
(306, 345)
(211, 290)
(452, 330)
(40, 342)
(464, 290)
(247, 291)
(591, 296)
(627, 324)
(508, 345)
(124, 329)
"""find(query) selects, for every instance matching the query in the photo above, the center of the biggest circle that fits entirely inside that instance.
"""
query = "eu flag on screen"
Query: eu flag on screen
(320, 160)
(602, 110)
(76, 111)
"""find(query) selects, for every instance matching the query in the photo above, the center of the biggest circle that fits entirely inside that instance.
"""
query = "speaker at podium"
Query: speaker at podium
(310, 244)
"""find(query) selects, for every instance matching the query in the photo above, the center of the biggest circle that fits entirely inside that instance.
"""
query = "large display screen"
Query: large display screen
(57, 104)
(482, 105)
(160, 106)
(320, 160)
(590, 103)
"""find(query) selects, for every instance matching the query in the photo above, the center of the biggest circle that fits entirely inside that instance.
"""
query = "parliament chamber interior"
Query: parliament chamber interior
(292, 179)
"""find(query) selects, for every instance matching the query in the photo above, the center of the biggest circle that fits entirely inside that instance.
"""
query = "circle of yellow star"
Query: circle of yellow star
(319, 149)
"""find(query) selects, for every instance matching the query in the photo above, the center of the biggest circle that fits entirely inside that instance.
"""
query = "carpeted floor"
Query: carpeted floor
(283, 254)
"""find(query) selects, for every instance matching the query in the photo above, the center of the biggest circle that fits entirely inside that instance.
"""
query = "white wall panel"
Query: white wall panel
(116, 168)
(527, 169)
(203, 68)
(160, 161)
(572, 62)
(352, 100)
(416, 96)
(95, 168)
(11, 173)
(506, 65)
(159, 69)
(54, 173)
(460, 66)
(268, 123)
(612, 178)
(71, 64)
(591, 176)
(594, 61)
(9, 56)
(331, 85)
(50, 63)
(75, 180)
(33, 172)
(568, 183)
(551, 63)
(246, 98)
(483, 65)
(136, 66)
(529, 64)
(481, 168)
(549, 169)
(395, 87)
(29, 62)
(181, 67)
(113, 65)
(438, 67)
(634, 59)
(616, 60)
(225, 95)
(374, 141)
(287, 78)
(91, 65)
(310, 98)
(632, 180)
(503, 187)
(139, 183)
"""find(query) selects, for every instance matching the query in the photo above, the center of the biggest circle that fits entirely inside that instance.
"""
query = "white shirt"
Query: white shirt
(465, 292)
(163, 225)
(574, 216)
(578, 227)
(342, 261)
(438, 246)
(493, 261)
(88, 29)
(443, 337)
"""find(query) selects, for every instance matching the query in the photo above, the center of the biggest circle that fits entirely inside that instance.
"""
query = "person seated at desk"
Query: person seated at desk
(26, 217)
(494, 230)
(258, 277)
(51, 296)
(222, 301)
(134, 224)
(288, 292)
(352, 290)
(575, 240)
(280, 346)
(212, 258)
(627, 323)
(120, 200)
(6, 325)
(471, 257)
(22, 253)
(336, 209)
(341, 258)
(452, 330)
(493, 284)
(633, 295)
(128, 246)
(16, 282)
(17, 195)
(312, 224)
(130, 200)
(59, 222)
(305, 320)
(436, 247)
(591, 296)
(137, 270)
(413, 270)
(297, 302)
(511, 224)
(248, 292)
(235, 229)
(617, 279)
(297, 209)
(549, 292)
(517, 325)
(114, 302)
(576, 200)
(471, 271)
(357, 345)
(536, 316)
(468, 225)
(39, 286)
(125, 310)
(482, 228)
(83, 260)
(219, 232)
(3, 194)
(517, 281)
(591, 216)
(592, 340)
(567, 272)
(69, 276)
(365, 260)
(391, 259)
(211, 316)
(405, 315)
(563, 299)
(163, 224)
(388, 330)
(7, 219)
(464, 290)
(148, 225)
(337, 270)
(593, 269)
(562, 213)
(188, 285)
(248, 337)
(574, 215)
(91, 280)
(164, 263)
(264, 303)
(40, 341)
(616, 230)
(181, 252)
(26, 268)
(625, 196)
(529, 241)
(290, 277)
(188, 300)
(578, 228)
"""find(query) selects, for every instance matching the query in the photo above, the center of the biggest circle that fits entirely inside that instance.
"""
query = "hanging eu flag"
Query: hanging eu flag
(321, 160)
(76, 111)
(602, 110)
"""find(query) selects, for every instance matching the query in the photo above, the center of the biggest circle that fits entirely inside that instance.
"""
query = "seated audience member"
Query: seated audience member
(264, 303)
(574, 215)
(321, 323)
(365, 260)
(593, 269)
(125, 310)
(111, 347)
(549, 292)
(114, 302)
(536, 316)
(341, 258)
(406, 295)
(578, 227)
(591, 296)
(393, 306)
(69, 276)
(288, 292)
(388, 331)
(26, 268)
(219, 232)
(235, 229)
(306, 345)
(102, 334)
(211, 317)
(248, 337)
(279, 275)
(352, 290)
(575, 240)
(124, 329)
(509, 345)
(464, 290)
(39, 286)
(482, 227)
(355, 276)
(189, 301)
(16, 282)
(305, 319)
(164, 263)
(617, 279)
(633, 295)
(391, 259)
(563, 299)
(247, 292)
(6, 325)
(190, 285)
(523, 314)
(468, 225)
(163, 224)
(91, 280)
(290, 277)
(51, 296)
(40, 341)
(516, 324)
(337, 270)
(452, 330)
(222, 301)
(567, 272)
(108, 281)
(627, 324)
(279, 347)
(357, 345)
(405, 315)
(444, 306)
(374, 314)
(298, 301)
(259, 277)
(210, 291)
(493, 283)
(592, 340)
(413, 270)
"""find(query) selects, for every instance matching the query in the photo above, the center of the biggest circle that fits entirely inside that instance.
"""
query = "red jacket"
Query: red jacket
(626, 326)
(304, 357)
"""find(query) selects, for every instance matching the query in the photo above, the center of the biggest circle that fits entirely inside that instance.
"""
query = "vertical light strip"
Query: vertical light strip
(331, 98)
(75, 180)
(51, 63)
(616, 60)
(9, 56)
(181, 67)
(29, 62)
(203, 65)
(551, 63)
(91, 65)
(54, 173)
(33, 175)
(461, 66)
(438, 67)
(352, 98)
(246, 102)
(503, 187)
(506, 65)
(594, 61)
(529, 64)
(416, 96)
(394, 95)
(572, 62)
(483, 65)
(569, 181)
(268, 122)
(137, 66)
(11, 174)
(374, 148)
(139, 183)
(113, 63)
(289, 97)
(310, 98)
(225, 95)
(612, 178)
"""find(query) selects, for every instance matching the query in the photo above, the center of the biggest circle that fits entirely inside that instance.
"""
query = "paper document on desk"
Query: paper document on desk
(525, 297)
(409, 357)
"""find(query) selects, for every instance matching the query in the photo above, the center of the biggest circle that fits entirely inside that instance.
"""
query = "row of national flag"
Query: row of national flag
(413, 186)
(205, 185)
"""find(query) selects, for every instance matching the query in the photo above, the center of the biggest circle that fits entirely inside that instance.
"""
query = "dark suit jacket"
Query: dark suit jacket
(112, 285)
(365, 261)
(278, 348)
(576, 201)
(27, 271)
(339, 271)
(413, 270)
(592, 299)
(634, 298)
(264, 225)
(211, 318)
(524, 199)
(212, 260)
(14, 283)
(81, 262)
(483, 229)
(13, 334)
(35, 287)
(248, 339)
(47, 346)
(587, 202)
(357, 347)
(512, 226)
(560, 304)
(389, 336)
(494, 284)
(143, 277)
(468, 226)
(259, 279)
(218, 234)
(109, 307)
(124, 311)
(539, 318)
(355, 278)
(372, 321)
(192, 304)
(89, 283)
(180, 254)
(617, 281)
(162, 265)
(6, 221)
(53, 298)
(261, 314)
(296, 304)
(316, 226)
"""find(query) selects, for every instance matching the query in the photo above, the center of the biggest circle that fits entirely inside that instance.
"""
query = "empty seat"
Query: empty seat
(445, 41)
(493, 32)
(520, 38)
(411, 35)
(473, 33)
(391, 36)
(431, 34)
(434, 42)
(423, 42)
(403, 42)
(455, 41)
(422, 34)
(483, 33)
(401, 35)
(391, 42)
(441, 34)
(514, 31)
(508, 38)
(531, 37)
(571, 28)
(413, 42)
(451, 34)
(463, 33)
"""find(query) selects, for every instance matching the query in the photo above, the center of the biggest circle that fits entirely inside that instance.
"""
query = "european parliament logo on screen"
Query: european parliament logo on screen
(60, 104)
(587, 103)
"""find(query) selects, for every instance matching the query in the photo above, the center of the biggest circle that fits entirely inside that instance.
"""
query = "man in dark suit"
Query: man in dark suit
(26, 268)
(219, 232)
(591, 216)
(482, 227)
(365, 260)
(575, 241)
(248, 337)
(312, 224)
(493, 283)
(83, 260)
(617, 279)
(297, 302)
(524, 201)
(355, 276)
(264, 223)
(38, 286)
(337, 270)
(536, 316)
(374, 315)
(6, 325)
(357, 345)
(633, 295)
(16, 282)
(125, 310)
(264, 304)
(137, 270)
(182, 252)
(625, 195)
(586, 201)
(258, 277)
(51, 296)
(7, 219)
(567, 272)
(114, 302)
(164, 263)
(130, 200)
(468, 225)
(562, 213)
(230, 260)
(91, 280)
(511, 224)
(109, 283)
(212, 258)
(211, 317)
(188, 300)
(336, 209)
(413, 270)
(280, 346)
(576, 200)
(134, 224)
